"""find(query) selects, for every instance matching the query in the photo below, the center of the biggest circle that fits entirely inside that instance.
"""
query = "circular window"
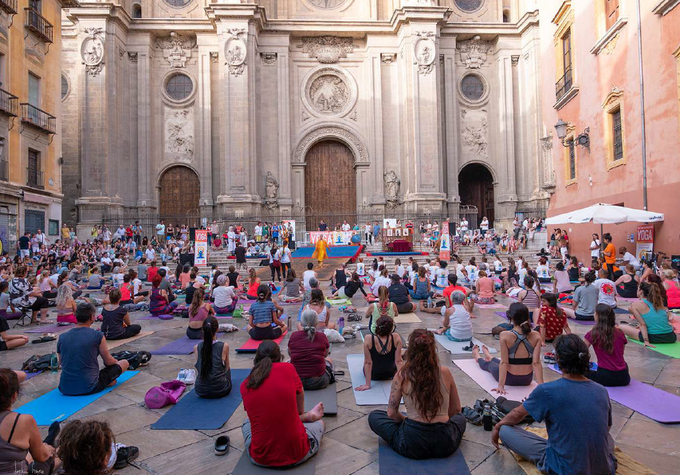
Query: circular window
(327, 4)
(179, 87)
(64, 87)
(178, 3)
(469, 5)
(472, 87)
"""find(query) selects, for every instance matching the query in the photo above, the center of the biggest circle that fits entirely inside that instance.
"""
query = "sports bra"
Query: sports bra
(512, 351)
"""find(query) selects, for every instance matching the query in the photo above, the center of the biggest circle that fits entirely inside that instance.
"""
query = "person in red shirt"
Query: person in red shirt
(277, 432)
(551, 320)
(308, 350)
(453, 286)
(152, 271)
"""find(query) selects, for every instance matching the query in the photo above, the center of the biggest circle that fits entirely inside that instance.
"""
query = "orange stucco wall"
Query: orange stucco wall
(595, 74)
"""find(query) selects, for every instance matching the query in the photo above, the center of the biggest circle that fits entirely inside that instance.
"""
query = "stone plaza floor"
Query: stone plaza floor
(349, 446)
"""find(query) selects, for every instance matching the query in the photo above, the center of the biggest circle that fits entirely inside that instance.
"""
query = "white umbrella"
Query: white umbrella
(606, 214)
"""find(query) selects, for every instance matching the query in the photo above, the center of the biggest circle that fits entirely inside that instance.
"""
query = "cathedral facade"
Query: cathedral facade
(294, 107)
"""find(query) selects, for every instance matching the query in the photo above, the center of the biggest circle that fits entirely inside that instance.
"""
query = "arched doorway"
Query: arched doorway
(330, 185)
(179, 195)
(475, 185)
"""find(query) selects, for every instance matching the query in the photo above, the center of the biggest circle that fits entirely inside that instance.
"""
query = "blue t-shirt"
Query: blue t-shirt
(79, 350)
(262, 311)
(577, 415)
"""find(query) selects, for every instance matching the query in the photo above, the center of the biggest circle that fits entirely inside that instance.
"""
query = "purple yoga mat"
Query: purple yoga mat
(644, 398)
(32, 375)
(49, 329)
(183, 346)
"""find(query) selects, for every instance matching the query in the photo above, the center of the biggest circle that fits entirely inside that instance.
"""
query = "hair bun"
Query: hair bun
(583, 356)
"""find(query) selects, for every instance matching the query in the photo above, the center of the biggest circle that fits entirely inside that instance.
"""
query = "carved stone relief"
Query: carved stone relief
(271, 201)
(424, 54)
(329, 91)
(327, 49)
(176, 49)
(355, 143)
(388, 58)
(549, 179)
(475, 132)
(236, 51)
(269, 58)
(132, 55)
(473, 52)
(611, 46)
(179, 133)
(214, 56)
(392, 185)
(92, 51)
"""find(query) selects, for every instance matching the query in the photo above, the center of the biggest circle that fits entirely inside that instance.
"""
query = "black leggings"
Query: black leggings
(285, 267)
(277, 270)
(40, 303)
(493, 367)
(266, 333)
(49, 294)
(129, 332)
(610, 378)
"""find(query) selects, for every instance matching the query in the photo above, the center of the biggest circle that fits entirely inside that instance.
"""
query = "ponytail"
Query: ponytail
(263, 293)
(210, 328)
(653, 294)
(309, 320)
(266, 355)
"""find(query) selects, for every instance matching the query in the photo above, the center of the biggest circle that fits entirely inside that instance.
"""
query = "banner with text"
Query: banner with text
(201, 248)
(445, 243)
(644, 240)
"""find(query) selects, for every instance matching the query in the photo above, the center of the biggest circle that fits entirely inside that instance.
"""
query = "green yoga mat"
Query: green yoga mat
(339, 301)
(668, 349)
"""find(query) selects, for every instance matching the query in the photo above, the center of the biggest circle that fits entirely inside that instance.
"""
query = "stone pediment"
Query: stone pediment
(327, 49)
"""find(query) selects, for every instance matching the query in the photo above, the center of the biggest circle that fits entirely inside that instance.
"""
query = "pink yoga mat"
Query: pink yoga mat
(251, 345)
(488, 383)
(649, 401)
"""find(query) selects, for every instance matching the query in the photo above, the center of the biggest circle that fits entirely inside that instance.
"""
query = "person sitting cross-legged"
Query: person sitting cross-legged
(79, 349)
(213, 379)
(456, 325)
(116, 323)
(577, 414)
(382, 353)
(308, 350)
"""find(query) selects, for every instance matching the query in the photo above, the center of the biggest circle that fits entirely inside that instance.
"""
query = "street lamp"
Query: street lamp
(583, 139)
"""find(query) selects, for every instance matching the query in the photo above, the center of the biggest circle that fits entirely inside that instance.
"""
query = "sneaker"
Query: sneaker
(135, 362)
(144, 356)
(125, 455)
(549, 358)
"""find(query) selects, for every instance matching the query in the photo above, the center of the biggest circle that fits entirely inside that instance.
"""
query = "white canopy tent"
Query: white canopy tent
(606, 214)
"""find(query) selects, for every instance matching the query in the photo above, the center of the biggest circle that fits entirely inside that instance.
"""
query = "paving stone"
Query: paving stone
(155, 442)
(124, 419)
(357, 434)
(340, 459)
(198, 458)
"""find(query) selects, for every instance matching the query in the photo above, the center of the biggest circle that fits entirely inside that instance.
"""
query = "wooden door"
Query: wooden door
(330, 185)
(180, 192)
(475, 185)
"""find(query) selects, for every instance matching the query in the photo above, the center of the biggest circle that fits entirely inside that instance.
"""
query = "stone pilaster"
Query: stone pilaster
(507, 201)
(206, 51)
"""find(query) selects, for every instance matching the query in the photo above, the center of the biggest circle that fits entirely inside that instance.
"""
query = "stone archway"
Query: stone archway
(179, 192)
(475, 186)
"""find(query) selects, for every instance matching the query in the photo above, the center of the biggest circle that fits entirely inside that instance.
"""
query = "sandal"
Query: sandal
(222, 445)
(468, 348)
(354, 317)
(472, 416)
(45, 338)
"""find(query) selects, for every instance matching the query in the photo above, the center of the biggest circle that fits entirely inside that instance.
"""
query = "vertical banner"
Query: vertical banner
(201, 248)
(644, 240)
(445, 243)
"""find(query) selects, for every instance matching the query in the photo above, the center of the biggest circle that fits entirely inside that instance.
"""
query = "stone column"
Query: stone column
(507, 200)
(375, 120)
(451, 135)
(146, 199)
(206, 56)
(282, 59)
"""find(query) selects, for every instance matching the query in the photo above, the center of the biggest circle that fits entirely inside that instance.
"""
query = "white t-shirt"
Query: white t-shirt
(200, 281)
(472, 272)
(498, 265)
(607, 292)
(543, 271)
(485, 225)
(55, 278)
(136, 286)
(380, 282)
(442, 277)
(361, 268)
(631, 259)
(150, 254)
(464, 225)
(433, 273)
(346, 227)
(459, 323)
(306, 275)
(160, 229)
(595, 252)
(522, 274)
(400, 271)
(223, 296)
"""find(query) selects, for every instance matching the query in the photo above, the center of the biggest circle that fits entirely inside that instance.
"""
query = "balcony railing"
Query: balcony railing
(9, 6)
(35, 179)
(564, 84)
(4, 170)
(38, 118)
(39, 25)
(9, 103)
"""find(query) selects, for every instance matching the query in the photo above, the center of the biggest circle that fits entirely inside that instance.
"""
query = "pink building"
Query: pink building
(594, 88)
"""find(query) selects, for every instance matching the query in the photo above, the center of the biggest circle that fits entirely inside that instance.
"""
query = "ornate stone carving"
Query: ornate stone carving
(514, 59)
(388, 58)
(132, 56)
(424, 54)
(611, 46)
(92, 50)
(328, 4)
(214, 56)
(271, 186)
(345, 135)
(236, 51)
(549, 179)
(269, 58)
(329, 91)
(121, 52)
(473, 52)
(354, 115)
(176, 49)
(179, 133)
(327, 49)
(475, 131)
(392, 185)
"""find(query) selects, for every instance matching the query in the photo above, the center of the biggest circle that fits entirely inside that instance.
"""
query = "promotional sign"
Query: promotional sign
(644, 239)
(445, 243)
(201, 248)
(389, 223)
(333, 238)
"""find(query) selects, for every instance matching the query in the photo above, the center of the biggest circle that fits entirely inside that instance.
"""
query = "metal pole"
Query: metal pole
(642, 109)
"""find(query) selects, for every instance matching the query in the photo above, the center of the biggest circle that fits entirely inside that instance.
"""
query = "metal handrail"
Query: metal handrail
(38, 118)
(564, 84)
(39, 25)
(35, 179)
(9, 6)
(9, 103)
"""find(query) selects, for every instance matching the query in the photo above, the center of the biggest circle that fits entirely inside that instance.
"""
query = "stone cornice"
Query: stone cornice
(250, 12)
(609, 35)
(405, 15)
(665, 6)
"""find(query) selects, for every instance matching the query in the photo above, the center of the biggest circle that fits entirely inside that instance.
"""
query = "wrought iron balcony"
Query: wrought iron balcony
(39, 25)
(564, 84)
(38, 118)
(4, 170)
(35, 178)
(9, 103)
(9, 6)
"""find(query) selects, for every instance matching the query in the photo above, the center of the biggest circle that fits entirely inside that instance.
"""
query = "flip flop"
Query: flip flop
(222, 445)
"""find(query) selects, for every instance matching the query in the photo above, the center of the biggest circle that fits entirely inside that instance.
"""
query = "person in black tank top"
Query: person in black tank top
(384, 353)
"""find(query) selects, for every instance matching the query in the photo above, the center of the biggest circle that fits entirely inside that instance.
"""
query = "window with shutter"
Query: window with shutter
(611, 8)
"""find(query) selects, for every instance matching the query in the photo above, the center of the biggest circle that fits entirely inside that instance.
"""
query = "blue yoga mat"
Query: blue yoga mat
(195, 413)
(334, 252)
(182, 346)
(54, 406)
(391, 463)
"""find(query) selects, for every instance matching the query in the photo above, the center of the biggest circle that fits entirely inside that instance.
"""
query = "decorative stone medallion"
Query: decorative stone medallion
(92, 51)
(327, 49)
(329, 91)
(327, 4)
(236, 51)
(424, 52)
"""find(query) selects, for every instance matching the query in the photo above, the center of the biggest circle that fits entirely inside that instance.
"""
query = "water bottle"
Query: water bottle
(54, 363)
(429, 302)
(341, 324)
(486, 418)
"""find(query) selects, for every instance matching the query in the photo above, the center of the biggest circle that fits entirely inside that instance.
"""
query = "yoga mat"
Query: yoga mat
(644, 398)
(339, 301)
(156, 317)
(502, 315)
(407, 318)
(333, 252)
(626, 465)
(181, 346)
(246, 467)
(668, 349)
(621, 311)
(391, 463)
(456, 347)
(328, 396)
(32, 375)
(195, 413)
(54, 406)
(407, 253)
(49, 328)
(493, 305)
(378, 395)
(488, 383)
(116, 343)
(251, 345)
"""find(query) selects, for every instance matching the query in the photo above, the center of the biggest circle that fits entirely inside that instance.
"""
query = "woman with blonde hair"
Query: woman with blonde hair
(66, 305)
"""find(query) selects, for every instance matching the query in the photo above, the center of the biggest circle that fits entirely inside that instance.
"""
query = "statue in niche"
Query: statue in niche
(271, 192)
(392, 185)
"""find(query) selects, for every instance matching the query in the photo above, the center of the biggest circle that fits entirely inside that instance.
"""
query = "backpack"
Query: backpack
(37, 364)
(167, 393)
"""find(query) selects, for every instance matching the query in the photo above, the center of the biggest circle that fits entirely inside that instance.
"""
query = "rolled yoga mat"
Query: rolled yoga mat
(54, 406)
(328, 396)
(181, 346)
(644, 398)
(488, 383)
(456, 347)
(195, 413)
(49, 328)
(391, 463)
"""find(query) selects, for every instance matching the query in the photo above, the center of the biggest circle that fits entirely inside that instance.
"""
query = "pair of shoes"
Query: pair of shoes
(222, 445)
(354, 317)
(187, 376)
(549, 358)
(125, 455)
